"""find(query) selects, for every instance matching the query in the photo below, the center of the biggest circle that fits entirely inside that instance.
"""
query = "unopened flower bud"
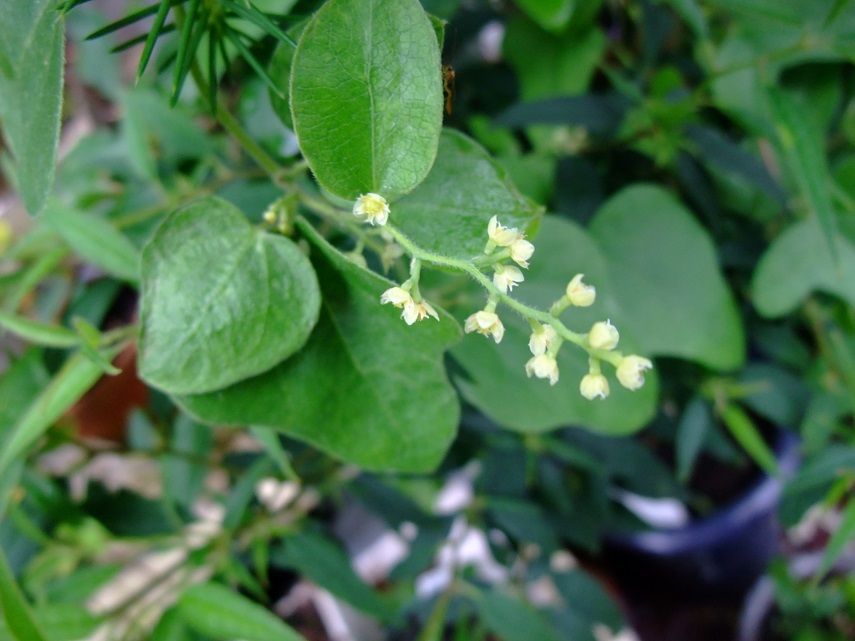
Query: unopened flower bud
(580, 294)
(521, 251)
(594, 386)
(603, 335)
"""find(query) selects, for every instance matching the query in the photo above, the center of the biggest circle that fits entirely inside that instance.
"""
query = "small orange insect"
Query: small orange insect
(448, 86)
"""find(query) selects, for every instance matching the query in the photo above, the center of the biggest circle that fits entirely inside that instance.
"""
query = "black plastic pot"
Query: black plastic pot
(722, 554)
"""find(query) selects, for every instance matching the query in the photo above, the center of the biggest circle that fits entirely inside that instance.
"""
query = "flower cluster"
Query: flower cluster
(506, 252)
(413, 310)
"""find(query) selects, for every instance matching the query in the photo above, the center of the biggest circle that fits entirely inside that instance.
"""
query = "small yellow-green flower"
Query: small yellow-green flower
(486, 323)
(373, 208)
(542, 339)
(521, 251)
(594, 386)
(630, 371)
(500, 235)
(506, 277)
(543, 366)
(603, 335)
(579, 293)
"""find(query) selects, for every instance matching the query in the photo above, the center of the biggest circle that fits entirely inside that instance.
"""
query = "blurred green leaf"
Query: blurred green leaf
(840, 538)
(572, 58)
(513, 620)
(323, 562)
(95, 239)
(222, 614)
(665, 276)
(32, 44)
(552, 15)
(39, 333)
(279, 70)
(717, 149)
(695, 424)
(797, 263)
(601, 114)
(76, 376)
(803, 149)
(14, 608)
(748, 436)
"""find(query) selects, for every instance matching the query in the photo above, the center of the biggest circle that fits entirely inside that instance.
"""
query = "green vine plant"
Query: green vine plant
(274, 326)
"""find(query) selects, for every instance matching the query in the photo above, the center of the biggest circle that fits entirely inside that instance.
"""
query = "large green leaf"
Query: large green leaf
(95, 239)
(366, 96)
(665, 275)
(221, 301)
(495, 379)
(32, 44)
(448, 213)
(220, 613)
(797, 263)
(366, 387)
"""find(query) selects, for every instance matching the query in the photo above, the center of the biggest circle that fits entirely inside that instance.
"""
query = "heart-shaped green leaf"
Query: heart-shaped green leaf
(221, 301)
(798, 263)
(366, 388)
(495, 379)
(448, 213)
(366, 96)
(666, 277)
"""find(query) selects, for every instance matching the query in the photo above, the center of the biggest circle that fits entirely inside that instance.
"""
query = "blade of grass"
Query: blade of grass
(153, 35)
(235, 38)
(128, 20)
(76, 376)
(127, 44)
(213, 83)
(746, 434)
(801, 146)
(844, 533)
(38, 333)
(190, 38)
(260, 19)
(14, 607)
